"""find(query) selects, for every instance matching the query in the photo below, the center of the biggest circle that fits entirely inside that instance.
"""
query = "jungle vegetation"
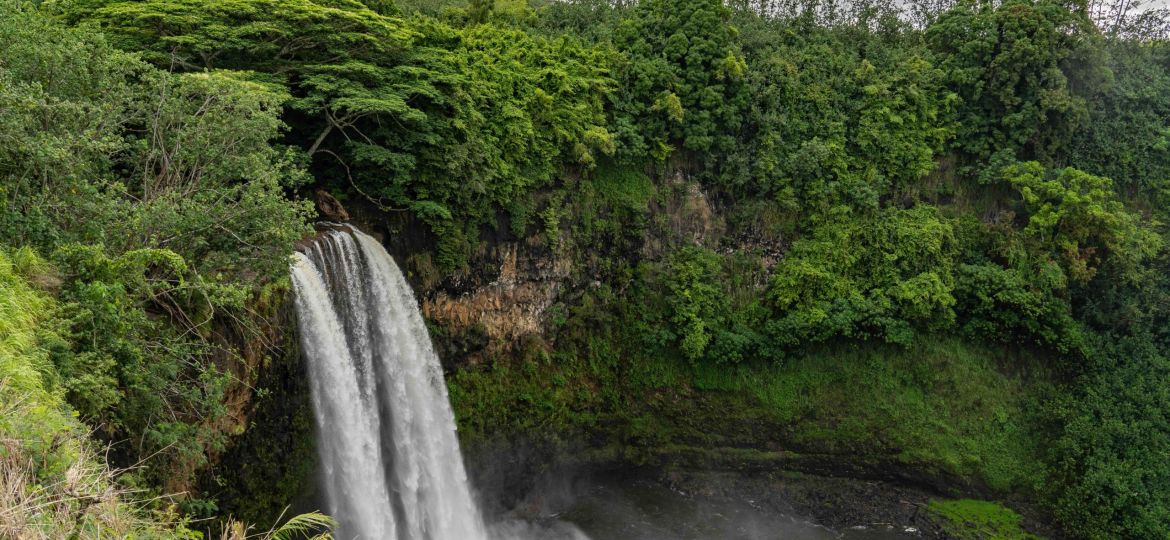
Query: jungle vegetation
(941, 223)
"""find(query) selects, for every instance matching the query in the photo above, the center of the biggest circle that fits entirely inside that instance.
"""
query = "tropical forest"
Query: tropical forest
(584, 269)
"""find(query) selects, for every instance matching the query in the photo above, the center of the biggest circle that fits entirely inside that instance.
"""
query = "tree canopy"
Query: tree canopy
(715, 187)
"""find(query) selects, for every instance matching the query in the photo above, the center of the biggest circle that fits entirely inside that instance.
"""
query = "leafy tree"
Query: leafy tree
(681, 79)
(692, 305)
(64, 98)
(1023, 69)
(1107, 458)
(208, 182)
(1027, 304)
(448, 123)
(694, 299)
(876, 278)
(838, 119)
(593, 21)
(1077, 218)
(162, 200)
(1126, 137)
(130, 156)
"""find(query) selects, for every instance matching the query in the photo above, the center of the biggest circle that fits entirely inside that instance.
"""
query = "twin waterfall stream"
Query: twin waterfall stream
(391, 467)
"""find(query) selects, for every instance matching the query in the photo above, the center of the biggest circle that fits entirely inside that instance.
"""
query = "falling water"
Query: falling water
(386, 433)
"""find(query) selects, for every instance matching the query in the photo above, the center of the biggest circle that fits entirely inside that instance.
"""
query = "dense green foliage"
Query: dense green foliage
(55, 485)
(1125, 137)
(680, 77)
(877, 277)
(968, 518)
(1023, 72)
(160, 201)
(1107, 457)
(446, 122)
(930, 238)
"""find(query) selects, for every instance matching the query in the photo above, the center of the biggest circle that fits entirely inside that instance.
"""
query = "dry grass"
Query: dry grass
(53, 485)
(84, 501)
(80, 501)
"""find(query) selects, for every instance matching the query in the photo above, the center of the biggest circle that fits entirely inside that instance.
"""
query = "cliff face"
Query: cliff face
(486, 321)
(269, 457)
(546, 344)
(546, 363)
(504, 295)
(512, 307)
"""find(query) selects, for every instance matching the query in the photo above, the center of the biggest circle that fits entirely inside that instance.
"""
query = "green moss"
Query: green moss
(972, 519)
(940, 408)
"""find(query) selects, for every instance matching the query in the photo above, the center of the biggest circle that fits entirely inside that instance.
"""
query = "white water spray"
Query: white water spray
(386, 435)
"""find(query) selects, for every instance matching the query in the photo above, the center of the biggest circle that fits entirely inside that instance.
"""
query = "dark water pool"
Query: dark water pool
(625, 509)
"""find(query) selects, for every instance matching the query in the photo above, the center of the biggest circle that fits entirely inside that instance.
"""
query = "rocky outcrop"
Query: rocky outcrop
(329, 207)
(510, 308)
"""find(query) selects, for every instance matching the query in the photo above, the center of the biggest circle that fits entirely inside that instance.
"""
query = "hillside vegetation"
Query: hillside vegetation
(53, 482)
(922, 241)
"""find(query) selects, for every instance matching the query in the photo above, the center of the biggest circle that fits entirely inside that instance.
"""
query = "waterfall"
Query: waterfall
(391, 467)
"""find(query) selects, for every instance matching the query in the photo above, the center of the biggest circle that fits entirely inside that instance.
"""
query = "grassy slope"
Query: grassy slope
(940, 412)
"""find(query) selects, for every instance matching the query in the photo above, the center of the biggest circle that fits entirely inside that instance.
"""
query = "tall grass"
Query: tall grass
(52, 485)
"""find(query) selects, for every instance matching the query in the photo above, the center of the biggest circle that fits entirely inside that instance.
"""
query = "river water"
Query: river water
(623, 506)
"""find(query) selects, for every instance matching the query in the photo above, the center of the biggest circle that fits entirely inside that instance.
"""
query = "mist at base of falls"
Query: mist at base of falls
(621, 506)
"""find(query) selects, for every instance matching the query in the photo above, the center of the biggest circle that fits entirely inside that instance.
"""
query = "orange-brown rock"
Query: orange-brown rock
(508, 309)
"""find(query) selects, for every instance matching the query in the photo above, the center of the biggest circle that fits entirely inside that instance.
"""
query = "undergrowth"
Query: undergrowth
(972, 519)
(52, 482)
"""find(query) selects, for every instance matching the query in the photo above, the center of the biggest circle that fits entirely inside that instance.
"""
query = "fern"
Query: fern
(304, 525)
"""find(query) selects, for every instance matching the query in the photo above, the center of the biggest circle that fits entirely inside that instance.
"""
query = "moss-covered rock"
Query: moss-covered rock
(970, 519)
